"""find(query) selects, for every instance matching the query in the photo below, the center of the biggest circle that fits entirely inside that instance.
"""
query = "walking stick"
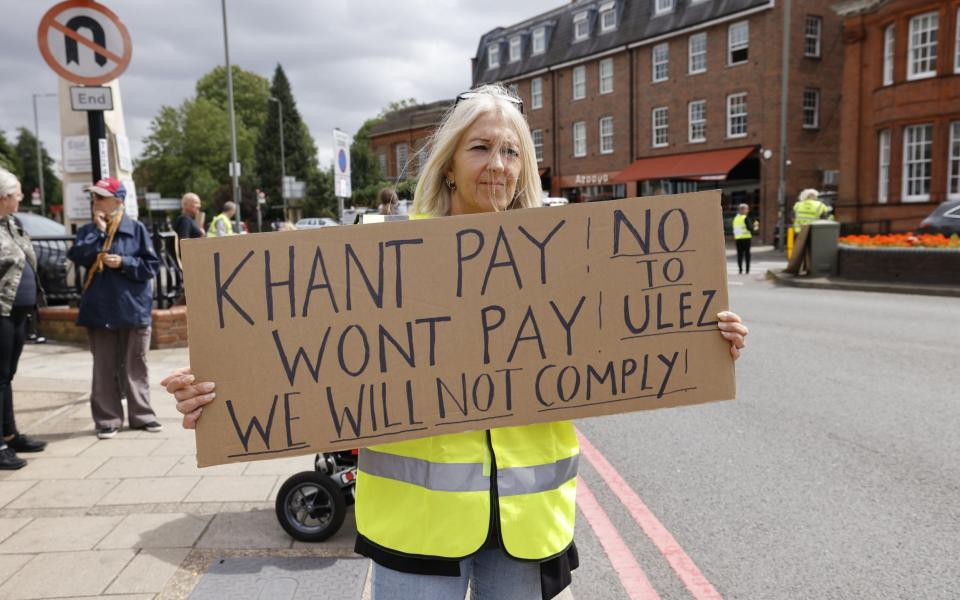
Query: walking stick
(112, 227)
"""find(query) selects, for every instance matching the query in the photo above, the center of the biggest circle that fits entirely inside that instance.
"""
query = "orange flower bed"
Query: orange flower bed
(903, 240)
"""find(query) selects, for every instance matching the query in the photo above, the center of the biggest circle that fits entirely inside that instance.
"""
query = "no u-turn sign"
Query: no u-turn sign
(84, 42)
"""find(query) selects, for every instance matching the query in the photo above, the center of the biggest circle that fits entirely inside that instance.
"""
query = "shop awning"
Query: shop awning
(712, 165)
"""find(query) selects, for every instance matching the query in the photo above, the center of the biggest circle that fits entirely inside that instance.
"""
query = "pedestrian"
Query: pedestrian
(434, 513)
(115, 308)
(388, 202)
(20, 292)
(744, 226)
(808, 208)
(221, 224)
(186, 224)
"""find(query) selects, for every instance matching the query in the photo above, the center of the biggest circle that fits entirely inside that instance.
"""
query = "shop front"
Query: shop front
(591, 187)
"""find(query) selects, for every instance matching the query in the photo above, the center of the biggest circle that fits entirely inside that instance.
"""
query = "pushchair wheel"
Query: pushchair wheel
(310, 506)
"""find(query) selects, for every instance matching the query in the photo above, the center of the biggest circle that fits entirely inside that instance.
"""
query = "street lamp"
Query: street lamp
(234, 166)
(283, 161)
(36, 135)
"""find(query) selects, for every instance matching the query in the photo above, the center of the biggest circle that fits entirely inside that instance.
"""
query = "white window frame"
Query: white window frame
(538, 44)
(733, 101)
(579, 139)
(811, 107)
(922, 46)
(516, 49)
(660, 127)
(581, 26)
(812, 35)
(660, 57)
(953, 178)
(956, 44)
(889, 52)
(693, 54)
(536, 93)
(579, 80)
(514, 89)
(493, 56)
(883, 166)
(910, 154)
(401, 150)
(606, 75)
(663, 7)
(383, 163)
(738, 44)
(537, 145)
(606, 137)
(608, 13)
(697, 122)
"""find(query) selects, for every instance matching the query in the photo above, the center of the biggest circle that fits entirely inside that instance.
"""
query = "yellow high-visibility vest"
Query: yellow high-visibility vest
(740, 229)
(806, 211)
(228, 225)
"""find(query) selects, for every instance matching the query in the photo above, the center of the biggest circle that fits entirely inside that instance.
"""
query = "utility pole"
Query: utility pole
(234, 165)
(36, 135)
(283, 160)
(784, 99)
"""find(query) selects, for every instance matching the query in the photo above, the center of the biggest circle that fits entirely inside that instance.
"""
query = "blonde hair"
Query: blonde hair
(432, 196)
(8, 183)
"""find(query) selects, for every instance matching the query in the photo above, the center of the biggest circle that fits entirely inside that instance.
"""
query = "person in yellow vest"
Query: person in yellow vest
(221, 224)
(808, 208)
(744, 227)
(491, 509)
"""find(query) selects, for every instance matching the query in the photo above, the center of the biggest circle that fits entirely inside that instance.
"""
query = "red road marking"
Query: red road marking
(692, 578)
(632, 577)
(82, 40)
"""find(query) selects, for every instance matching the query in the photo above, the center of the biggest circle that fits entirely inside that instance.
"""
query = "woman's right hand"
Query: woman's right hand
(191, 396)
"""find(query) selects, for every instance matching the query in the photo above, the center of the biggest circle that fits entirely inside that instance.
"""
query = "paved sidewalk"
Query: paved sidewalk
(131, 517)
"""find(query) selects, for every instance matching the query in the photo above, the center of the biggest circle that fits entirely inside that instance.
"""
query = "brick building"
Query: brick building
(901, 110)
(636, 97)
(398, 140)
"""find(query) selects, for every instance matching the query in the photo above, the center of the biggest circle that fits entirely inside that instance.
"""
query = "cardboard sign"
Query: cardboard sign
(344, 337)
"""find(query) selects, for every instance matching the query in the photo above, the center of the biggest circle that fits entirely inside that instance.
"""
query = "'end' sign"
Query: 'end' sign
(91, 98)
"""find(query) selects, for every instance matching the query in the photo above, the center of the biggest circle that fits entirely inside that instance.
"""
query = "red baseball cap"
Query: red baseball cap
(108, 186)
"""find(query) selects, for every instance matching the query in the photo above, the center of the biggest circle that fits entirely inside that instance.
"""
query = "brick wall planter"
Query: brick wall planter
(169, 326)
(899, 265)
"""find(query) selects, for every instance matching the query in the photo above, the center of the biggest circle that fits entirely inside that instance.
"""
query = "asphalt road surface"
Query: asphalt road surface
(834, 474)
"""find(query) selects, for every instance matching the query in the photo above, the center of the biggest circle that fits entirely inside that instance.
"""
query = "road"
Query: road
(834, 474)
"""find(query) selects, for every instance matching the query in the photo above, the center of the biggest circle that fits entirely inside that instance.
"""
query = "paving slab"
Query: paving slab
(64, 493)
(187, 466)
(11, 563)
(123, 447)
(149, 571)
(178, 446)
(89, 573)
(59, 534)
(239, 488)
(11, 525)
(149, 490)
(11, 489)
(134, 466)
(290, 578)
(67, 445)
(164, 530)
(254, 529)
(43, 467)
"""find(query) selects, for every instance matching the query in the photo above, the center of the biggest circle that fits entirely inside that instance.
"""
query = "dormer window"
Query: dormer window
(493, 56)
(539, 41)
(581, 26)
(663, 7)
(608, 17)
(515, 48)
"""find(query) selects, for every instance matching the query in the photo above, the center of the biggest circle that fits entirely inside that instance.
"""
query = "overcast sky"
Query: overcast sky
(346, 59)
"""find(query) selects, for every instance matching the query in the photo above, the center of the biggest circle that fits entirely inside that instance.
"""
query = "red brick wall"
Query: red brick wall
(169, 326)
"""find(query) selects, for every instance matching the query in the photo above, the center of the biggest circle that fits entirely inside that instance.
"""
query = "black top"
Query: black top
(186, 227)
(27, 290)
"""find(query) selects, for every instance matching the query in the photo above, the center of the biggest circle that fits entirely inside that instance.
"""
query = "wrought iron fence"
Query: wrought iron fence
(62, 279)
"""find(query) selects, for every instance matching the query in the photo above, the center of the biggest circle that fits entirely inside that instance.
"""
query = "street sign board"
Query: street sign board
(123, 152)
(35, 197)
(158, 203)
(341, 167)
(98, 55)
(91, 98)
(76, 154)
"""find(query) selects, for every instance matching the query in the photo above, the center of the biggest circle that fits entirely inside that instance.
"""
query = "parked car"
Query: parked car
(555, 201)
(316, 223)
(351, 216)
(57, 274)
(944, 219)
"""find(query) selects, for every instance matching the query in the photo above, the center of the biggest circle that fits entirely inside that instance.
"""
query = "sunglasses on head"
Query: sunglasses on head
(470, 95)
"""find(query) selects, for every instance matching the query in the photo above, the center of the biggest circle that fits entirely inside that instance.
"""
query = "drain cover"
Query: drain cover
(280, 578)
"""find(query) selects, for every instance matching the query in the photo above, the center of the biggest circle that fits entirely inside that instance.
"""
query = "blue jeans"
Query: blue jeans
(492, 575)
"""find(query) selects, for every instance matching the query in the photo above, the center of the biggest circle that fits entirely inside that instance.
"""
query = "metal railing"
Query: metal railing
(62, 279)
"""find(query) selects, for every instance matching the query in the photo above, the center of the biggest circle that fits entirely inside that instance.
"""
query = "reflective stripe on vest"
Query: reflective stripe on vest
(540, 478)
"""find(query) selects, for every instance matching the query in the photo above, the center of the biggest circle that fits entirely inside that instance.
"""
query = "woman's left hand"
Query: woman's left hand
(734, 331)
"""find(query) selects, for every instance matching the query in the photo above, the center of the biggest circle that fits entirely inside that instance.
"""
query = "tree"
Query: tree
(300, 152)
(365, 176)
(250, 92)
(26, 149)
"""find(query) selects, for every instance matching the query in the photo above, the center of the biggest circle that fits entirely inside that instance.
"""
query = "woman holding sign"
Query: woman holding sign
(490, 509)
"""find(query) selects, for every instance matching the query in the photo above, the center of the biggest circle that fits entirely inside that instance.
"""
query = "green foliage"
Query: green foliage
(9, 159)
(26, 150)
(250, 93)
(366, 180)
(399, 105)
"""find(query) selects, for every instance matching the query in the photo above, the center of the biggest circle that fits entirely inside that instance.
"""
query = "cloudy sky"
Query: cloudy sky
(346, 59)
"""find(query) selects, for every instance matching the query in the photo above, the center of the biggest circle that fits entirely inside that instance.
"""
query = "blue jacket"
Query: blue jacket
(117, 297)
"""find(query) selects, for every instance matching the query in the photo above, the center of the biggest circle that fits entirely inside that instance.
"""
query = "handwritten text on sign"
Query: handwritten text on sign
(352, 336)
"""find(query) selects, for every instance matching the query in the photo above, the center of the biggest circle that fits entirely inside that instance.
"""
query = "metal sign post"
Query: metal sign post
(341, 168)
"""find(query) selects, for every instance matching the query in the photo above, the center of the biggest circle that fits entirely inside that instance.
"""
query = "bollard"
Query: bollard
(789, 242)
